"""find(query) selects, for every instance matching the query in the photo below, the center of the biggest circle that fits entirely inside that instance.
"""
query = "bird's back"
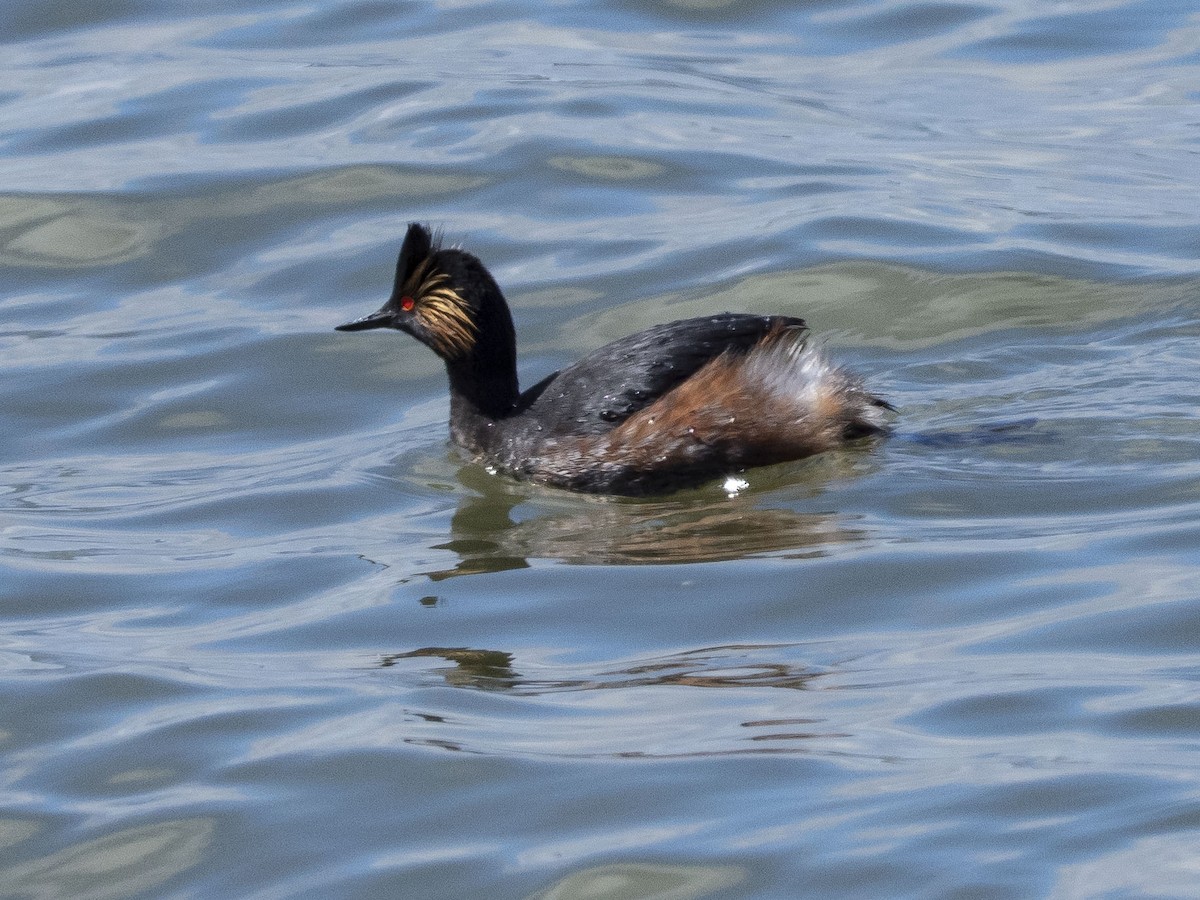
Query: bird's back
(606, 387)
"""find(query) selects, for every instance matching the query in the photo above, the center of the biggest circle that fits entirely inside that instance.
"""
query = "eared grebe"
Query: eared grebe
(666, 408)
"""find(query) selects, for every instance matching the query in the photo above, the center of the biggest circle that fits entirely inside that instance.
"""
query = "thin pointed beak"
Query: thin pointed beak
(384, 318)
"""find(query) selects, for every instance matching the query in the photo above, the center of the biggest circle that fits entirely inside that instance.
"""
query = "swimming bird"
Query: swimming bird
(670, 407)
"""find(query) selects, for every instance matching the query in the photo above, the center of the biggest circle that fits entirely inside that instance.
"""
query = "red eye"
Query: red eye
(407, 303)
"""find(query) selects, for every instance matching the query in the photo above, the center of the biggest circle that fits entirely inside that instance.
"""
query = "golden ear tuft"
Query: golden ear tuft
(447, 319)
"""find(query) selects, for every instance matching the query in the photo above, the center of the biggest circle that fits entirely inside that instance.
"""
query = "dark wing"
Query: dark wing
(610, 384)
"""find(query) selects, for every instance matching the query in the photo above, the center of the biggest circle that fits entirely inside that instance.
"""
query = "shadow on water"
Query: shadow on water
(1017, 432)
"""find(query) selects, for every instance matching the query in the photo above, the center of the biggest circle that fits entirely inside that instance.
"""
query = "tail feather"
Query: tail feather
(800, 379)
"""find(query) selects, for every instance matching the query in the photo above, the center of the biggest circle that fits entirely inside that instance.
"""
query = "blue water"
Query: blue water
(264, 634)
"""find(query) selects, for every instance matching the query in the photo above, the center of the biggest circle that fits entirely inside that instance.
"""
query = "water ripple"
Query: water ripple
(247, 587)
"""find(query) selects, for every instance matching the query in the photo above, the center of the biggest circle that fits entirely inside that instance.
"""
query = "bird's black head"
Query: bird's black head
(446, 299)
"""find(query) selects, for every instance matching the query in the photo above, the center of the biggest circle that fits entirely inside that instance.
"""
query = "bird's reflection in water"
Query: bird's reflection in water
(489, 533)
(694, 722)
(731, 666)
(488, 669)
(669, 707)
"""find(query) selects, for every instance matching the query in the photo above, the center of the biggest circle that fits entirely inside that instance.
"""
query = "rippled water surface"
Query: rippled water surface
(264, 634)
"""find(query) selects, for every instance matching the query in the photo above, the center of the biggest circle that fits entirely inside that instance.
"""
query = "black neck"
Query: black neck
(483, 384)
